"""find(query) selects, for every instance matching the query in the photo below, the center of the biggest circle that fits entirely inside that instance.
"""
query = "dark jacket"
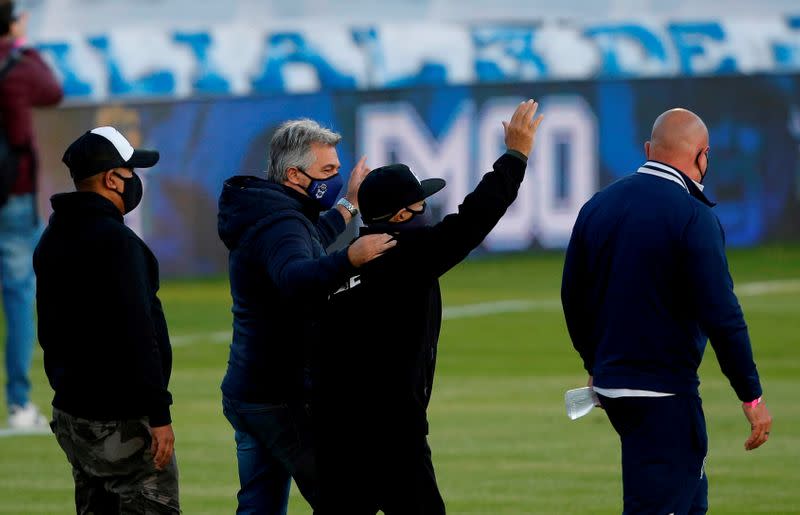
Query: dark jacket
(646, 282)
(280, 277)
(106, 348)
(374, 379)
(30, 83)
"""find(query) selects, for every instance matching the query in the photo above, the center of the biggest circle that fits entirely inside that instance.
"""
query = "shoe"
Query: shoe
(27, 418)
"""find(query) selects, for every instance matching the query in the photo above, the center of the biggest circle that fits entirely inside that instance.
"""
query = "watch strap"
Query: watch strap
(348, 206)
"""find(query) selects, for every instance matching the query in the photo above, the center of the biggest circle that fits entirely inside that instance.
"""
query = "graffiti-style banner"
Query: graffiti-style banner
(593, 133)
(238, 59)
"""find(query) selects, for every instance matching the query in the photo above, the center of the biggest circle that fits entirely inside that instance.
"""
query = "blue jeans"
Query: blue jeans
(19, 233)
(273, 445)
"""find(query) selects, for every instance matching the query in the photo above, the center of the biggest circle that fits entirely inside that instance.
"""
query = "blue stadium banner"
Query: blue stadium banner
(237, 53)
(594, 133)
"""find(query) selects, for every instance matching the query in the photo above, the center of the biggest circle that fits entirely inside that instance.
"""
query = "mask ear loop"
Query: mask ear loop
(697, 162)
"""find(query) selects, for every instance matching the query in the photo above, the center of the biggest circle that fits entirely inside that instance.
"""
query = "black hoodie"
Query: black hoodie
(106, 348)
(280, 278)
(371, 392)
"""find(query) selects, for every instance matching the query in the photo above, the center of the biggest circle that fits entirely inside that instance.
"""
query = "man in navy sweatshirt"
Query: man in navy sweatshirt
(645, 284)
(280, 279)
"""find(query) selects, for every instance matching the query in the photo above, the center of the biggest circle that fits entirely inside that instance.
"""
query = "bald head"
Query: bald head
(679, 138)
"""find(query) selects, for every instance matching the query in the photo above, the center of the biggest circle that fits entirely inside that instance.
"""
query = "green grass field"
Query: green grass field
(501, 441)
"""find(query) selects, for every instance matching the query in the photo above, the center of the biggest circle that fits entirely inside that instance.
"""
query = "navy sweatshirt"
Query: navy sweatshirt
(280, 278)
(646, 283)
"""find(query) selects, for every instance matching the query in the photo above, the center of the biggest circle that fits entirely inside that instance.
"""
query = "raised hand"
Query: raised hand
(356, 178)
(521, 130)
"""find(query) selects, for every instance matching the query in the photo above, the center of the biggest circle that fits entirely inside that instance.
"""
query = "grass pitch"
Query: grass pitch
(501, 441)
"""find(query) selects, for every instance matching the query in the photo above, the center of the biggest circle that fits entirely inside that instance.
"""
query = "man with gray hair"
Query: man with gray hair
(281, 277)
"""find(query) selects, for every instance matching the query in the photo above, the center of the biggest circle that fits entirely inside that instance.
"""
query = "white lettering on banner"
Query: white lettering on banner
(390, 133)
(244, 57)
(564, 167)
(562, 170)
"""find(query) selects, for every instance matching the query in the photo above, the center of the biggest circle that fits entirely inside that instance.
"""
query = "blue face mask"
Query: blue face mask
(324, 191)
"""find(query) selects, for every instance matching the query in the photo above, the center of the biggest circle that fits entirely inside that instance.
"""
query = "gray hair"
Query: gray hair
(291, 146)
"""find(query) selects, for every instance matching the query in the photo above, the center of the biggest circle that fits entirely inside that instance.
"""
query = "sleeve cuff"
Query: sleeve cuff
(160, 417)
(519, 155)
(749, 392)
(343, 261)
(338, 221)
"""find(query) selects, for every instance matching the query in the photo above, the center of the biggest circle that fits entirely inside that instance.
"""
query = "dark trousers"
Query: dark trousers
(363, 477)
(273, 445)
(664, 446)
(113, 467)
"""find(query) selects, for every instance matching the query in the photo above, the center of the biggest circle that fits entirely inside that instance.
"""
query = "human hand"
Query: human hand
(760, 424)
(356, 178)
(367, 248)
(590, 384)
(163, 445)
(521, 130)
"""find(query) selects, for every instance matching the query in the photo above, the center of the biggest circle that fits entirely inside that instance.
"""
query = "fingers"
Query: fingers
(164, 453)
(360, 164)
(523, 114)
(384, 243)
(388, 244)
(517, 113)
(760, 424)
(534, 106)
(537, 121)
(758, 437)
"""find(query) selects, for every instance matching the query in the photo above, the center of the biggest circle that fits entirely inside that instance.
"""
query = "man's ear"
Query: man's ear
(294, 176)
(108, 180)
(647, 149)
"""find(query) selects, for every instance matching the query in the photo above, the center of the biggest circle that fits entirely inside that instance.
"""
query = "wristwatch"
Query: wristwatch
(348, 206)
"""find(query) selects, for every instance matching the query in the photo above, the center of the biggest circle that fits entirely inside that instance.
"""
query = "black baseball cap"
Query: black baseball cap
(388, 189)
(102, 149)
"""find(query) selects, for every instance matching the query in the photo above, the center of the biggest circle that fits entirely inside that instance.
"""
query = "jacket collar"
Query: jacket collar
(671, 173)
(85, 202)
(308, 205)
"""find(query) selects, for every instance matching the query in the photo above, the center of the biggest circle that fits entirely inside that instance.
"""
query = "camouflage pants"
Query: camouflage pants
(113, 467)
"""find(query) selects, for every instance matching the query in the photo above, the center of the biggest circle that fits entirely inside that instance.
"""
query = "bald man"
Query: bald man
(645, 284)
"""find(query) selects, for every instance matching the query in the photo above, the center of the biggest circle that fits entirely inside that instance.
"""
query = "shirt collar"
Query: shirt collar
(671, 173)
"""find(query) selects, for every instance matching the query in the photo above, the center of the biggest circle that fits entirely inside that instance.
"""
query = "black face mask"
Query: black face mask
(133, 192)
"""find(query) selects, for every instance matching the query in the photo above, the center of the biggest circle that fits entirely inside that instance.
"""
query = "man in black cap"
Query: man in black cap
(371, 390)
(106, 348)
